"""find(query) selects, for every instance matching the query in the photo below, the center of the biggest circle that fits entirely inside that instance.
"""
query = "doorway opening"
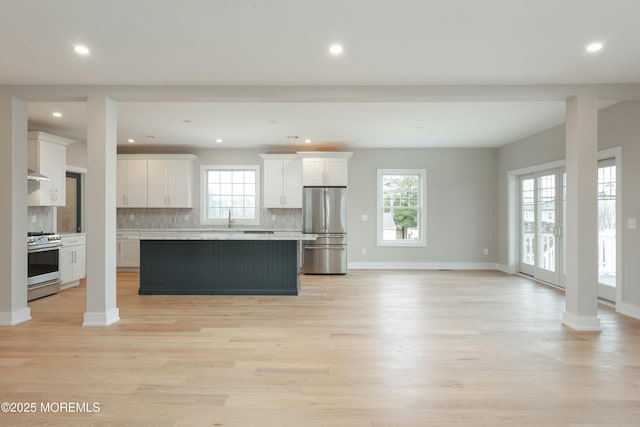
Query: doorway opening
(69, 217)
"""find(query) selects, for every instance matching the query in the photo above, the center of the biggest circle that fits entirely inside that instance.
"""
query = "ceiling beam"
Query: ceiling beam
(333, 93)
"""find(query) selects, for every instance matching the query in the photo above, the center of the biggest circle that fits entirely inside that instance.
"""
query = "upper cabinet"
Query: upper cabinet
(131, 189)
(325, 169)
(282, 181)
(155, 180)
(170, 183)
(47, 155)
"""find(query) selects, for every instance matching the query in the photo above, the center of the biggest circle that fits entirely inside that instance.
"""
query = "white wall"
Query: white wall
(618, 126)
(77, 154)
(461, 200)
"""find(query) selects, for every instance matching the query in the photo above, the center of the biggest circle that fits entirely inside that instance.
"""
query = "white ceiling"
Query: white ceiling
(283, 42)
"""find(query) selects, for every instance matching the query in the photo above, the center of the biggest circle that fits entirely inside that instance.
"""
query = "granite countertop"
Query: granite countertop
(209, 229)
(224, 235)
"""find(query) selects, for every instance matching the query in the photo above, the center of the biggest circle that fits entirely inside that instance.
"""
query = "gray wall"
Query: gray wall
(461, 200)
(618, 126)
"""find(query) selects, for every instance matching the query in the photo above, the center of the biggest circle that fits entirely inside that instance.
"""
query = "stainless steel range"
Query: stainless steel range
(43, 264)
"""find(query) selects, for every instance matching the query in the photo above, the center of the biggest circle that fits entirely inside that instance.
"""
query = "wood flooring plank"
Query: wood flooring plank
(369, 349)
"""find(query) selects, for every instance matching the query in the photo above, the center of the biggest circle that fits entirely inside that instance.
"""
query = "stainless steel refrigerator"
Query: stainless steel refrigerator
(324, 211)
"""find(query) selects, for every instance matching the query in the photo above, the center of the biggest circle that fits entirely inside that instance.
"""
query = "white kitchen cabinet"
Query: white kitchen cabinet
(47, 155)
(170, 183)
(72, 260)
(332, 170)
(155, 181)
(131, 191)
(282, 181)
(128, 250)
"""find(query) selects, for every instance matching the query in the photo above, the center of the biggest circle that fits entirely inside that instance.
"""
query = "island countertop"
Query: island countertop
(225, 235)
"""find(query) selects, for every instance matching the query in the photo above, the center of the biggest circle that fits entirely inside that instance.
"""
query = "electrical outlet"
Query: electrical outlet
(364, 251)
(131, 217)
(186, 217)
(631, 223)
(273, 217)
(486, 251)
(33, 219)
(365, 217)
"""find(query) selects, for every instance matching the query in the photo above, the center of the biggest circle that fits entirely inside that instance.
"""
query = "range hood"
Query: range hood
(35, 176)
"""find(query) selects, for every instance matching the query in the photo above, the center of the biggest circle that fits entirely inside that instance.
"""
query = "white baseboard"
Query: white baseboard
(506, 269)
(628, 309)
(422, 266)
(11, 318)
(102, 318)
(581, 323)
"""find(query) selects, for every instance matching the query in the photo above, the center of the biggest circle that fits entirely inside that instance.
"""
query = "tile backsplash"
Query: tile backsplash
(281, 219)
(43, 216)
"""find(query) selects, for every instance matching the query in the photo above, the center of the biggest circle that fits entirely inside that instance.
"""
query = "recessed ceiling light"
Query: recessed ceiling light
(56, 114)
(188, 121)
(307, 141)
(131, 140)
(151, 137)
(219, 141)
(273, 122)
(335, 49)
(594, 47)
(81, 50)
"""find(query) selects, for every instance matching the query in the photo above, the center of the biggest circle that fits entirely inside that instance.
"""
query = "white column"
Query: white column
(581, 310)
(13, 211)
(100, 205)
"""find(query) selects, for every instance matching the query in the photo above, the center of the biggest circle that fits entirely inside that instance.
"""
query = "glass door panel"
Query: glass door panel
(607, 229)
(527, 224)
(546, 228)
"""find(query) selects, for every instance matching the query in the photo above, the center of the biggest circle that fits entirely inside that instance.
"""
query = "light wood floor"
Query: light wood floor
(373, 348)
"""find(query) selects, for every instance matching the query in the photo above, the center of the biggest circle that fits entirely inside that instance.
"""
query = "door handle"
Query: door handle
(557, 231)
(334, 247)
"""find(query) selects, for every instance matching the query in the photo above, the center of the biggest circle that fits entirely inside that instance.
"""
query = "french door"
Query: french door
(541, 225)
(607, 229)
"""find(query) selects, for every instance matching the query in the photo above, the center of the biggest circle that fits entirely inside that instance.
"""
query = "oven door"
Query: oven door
(43, 265)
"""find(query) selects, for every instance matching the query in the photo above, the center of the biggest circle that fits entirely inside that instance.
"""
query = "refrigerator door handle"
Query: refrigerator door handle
(325, 208)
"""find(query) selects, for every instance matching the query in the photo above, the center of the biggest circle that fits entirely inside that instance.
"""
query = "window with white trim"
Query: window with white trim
(230, 192)
(401, 219)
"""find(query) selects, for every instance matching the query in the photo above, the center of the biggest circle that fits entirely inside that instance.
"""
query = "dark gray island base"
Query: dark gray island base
(219, 267)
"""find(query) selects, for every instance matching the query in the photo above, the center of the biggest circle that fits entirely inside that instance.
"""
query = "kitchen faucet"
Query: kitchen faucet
(230, 220)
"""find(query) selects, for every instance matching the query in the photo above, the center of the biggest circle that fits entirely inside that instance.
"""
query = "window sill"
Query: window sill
(402, 244)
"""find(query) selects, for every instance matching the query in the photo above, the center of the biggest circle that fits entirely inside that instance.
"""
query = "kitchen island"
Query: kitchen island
(221, 263)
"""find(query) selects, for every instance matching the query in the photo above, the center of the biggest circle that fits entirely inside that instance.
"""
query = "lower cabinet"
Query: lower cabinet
(128, 248)
(72, 260)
